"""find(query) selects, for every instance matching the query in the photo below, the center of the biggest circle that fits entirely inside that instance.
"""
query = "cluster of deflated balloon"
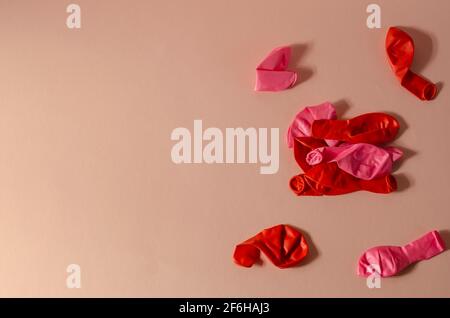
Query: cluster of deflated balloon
(342, 156)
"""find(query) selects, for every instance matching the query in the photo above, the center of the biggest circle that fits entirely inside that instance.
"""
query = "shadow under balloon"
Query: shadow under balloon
(445, 234)
(341, 106)
(439, 87)
(298, 53)
(403, 182)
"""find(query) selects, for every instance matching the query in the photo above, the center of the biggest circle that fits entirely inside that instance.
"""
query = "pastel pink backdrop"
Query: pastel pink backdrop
(85, 170)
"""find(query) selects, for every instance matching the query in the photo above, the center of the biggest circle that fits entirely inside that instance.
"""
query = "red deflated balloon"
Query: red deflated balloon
(400, 51)
(328, 179)
(371, 128)
(282, 244)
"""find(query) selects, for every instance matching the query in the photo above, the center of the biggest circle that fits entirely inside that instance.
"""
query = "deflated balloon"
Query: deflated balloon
(364, 161)
(391, 260)
(371, 128)
(272, 74)
(328, 179)
(282, 244)
(400, 51)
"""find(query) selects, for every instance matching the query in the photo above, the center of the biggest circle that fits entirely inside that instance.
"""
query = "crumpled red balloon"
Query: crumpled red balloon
(328, 179)
(371, 128)
(282, 244)
(400, 51)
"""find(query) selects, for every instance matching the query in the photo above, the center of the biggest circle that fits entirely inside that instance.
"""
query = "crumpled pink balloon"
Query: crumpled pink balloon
(272, 74)
(301, 126)
(390, 260)
(364, 161)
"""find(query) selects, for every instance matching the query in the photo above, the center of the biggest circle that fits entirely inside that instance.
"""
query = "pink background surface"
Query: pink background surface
(86, 175)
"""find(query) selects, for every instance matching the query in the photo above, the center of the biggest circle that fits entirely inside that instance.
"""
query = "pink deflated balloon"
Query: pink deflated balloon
(301, 126)
(390, 260)
(364, 161)
(272, 74)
